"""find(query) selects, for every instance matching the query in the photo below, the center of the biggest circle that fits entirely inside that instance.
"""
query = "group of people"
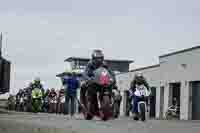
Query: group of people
(34, 98)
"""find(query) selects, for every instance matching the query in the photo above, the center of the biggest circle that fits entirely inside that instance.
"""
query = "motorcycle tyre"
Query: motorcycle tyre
(105, 111)
(89, 108)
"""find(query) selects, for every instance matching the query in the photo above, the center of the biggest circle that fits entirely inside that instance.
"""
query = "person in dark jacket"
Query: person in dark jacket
(19, 100)
(88, 75)
(71, 84)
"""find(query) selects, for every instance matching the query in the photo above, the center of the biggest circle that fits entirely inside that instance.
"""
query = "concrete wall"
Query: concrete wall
(173, 71)
(182, 67)
(152, 76)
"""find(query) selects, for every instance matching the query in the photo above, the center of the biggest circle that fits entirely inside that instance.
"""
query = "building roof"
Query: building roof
(66, 73)
(180, 51)
(87, 59)
(143, 68)
(140, 69)
(2, 58)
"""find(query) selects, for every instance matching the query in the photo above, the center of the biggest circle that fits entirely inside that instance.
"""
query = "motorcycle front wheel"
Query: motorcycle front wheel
(88, 113)
(106, 111)
(36, 106)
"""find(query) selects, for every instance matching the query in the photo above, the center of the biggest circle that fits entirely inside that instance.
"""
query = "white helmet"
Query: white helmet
(37, 79)
(139, 74)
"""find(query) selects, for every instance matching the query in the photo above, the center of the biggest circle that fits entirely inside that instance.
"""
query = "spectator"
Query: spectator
(71, 84)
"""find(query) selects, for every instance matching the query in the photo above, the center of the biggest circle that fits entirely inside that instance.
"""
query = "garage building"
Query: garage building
(176, 75)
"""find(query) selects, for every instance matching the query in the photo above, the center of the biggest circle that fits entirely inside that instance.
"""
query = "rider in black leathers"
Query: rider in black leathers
(19, 96)
(96, 62)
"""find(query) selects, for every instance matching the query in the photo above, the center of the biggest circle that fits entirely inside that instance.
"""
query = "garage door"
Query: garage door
(153, 102)
(196, 100)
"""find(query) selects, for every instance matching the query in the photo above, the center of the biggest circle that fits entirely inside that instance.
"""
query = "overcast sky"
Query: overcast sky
(40, 34)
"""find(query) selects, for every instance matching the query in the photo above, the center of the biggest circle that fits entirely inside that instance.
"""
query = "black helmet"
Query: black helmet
(97, 56)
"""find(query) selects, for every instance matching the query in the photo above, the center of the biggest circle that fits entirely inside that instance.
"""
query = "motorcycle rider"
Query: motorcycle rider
(53, 100)
(11, 102)
(37, 83)
(27, 99)
(139, 77)
(19, 100)
(96, 62)
(61, 100)
(138, 83)
(45, 106)
(36, 96)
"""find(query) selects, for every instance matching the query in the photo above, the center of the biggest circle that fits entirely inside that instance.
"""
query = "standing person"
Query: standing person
(71, 84)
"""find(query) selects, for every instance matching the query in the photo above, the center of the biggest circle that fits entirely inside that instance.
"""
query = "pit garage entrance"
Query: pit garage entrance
(195, 86)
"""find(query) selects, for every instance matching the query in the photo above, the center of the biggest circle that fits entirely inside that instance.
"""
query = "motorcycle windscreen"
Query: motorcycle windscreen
(102, 76)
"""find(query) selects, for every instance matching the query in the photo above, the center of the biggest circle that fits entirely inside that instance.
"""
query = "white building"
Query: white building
(177, 75)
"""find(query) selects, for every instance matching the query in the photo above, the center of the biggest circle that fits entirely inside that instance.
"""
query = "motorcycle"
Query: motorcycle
(98, 95)
(173, 112)
(36, 106)
(52, 104)
(19, 103)
(142, 108)
(36, 100)
(61, 103)
(142, 95)
(45, 105)
(25, 103)
(11, 103)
